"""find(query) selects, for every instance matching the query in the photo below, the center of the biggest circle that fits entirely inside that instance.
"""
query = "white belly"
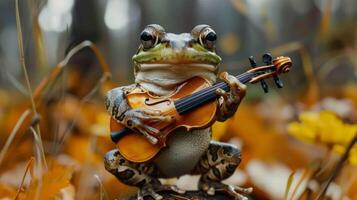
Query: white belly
(184, 150)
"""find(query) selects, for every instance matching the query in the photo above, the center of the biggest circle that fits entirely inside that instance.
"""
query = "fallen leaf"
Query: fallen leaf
(53, 181)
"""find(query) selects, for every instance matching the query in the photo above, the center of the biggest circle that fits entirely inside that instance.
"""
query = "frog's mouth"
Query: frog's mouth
(175, 67)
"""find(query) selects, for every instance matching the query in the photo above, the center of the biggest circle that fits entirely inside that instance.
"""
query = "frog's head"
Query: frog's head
(159, 49)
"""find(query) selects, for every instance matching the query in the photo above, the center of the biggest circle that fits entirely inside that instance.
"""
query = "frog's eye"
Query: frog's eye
(208, 38)
(148, 39)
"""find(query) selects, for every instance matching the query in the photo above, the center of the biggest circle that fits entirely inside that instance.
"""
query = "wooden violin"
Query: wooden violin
(192, 106)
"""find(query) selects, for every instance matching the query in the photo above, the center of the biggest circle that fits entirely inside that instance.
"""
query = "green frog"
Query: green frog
(162, 62)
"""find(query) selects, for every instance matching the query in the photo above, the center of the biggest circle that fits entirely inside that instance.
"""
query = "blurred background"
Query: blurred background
(292, 138)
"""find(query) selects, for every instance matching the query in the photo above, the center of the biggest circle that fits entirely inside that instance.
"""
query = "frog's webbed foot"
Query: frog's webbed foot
(141, 175)
(211, 187)
(152, 189)
(219, 163)
(148, 190)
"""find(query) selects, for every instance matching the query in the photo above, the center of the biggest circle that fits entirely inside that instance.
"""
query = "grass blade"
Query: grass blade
(288, 185)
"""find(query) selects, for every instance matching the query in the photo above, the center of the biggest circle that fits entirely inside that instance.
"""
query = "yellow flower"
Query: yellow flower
(325, 128)
(322, 128)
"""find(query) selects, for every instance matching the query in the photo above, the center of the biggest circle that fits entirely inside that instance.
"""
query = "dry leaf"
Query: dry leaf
(7, 191)
(53, 181)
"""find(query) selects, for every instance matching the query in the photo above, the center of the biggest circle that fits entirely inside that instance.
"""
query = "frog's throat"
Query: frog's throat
(163, 79)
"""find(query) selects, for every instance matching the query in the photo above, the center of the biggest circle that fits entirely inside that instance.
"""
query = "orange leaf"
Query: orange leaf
(55, 179)
(7, 191)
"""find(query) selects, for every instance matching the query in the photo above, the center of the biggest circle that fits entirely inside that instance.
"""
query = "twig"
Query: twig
(29, 164)
(59, 67)
(21, 54)
(288, 185)
(21, 88)
(39, 162)
(337, 168)
(12, 135)
(103, 193)
(305, 175)
(22, 61)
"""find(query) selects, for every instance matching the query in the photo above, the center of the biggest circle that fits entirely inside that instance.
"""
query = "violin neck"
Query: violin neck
(201, 97)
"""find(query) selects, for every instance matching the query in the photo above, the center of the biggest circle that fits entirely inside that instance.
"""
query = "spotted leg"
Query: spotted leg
(219, 163)
(141, 175)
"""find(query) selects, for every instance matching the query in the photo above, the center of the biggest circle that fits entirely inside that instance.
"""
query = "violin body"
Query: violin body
(135, 147)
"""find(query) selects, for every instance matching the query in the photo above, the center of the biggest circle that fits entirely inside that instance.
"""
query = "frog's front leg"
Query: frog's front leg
(135, 119)
(219, 163)
(141, 175)
(229, 101)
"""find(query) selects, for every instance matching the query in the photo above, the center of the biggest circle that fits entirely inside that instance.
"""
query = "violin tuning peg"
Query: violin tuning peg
(264, 86)
(267, 59)
(278, 82)
(252, 62)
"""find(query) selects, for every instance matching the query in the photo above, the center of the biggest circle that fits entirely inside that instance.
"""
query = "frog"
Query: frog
(162, 62)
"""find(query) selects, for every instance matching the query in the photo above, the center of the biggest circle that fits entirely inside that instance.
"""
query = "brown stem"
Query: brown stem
(59, 67)
(337, 168)
(28, 166)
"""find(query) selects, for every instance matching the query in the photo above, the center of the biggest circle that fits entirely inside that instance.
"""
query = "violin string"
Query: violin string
(207, 93)
(209, 90)
(211, 94)
(196, 102)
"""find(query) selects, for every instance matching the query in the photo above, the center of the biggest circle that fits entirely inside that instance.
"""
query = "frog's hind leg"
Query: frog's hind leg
(141, 175)
(219, 163)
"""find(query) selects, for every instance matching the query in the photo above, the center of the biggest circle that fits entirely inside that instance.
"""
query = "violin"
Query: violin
(193, 106)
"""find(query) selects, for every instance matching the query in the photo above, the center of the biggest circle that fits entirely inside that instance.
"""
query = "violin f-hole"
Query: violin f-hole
(151, 102)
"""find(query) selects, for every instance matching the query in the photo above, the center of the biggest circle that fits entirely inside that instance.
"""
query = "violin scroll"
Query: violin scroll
(282, 64)
(272, 68)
